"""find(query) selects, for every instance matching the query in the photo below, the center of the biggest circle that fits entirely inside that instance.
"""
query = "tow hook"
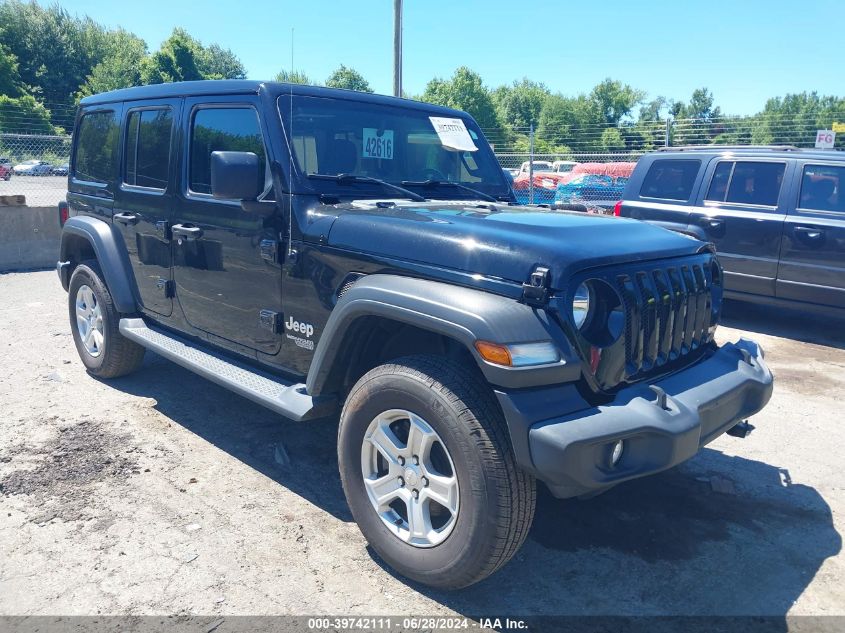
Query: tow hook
(741, 430)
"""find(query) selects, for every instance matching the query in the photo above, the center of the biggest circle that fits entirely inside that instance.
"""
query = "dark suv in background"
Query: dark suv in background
(775, 213)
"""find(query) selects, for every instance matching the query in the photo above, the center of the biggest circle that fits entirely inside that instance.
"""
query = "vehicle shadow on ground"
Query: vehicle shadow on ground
(301, 456)
(789, 323)
(667, 544)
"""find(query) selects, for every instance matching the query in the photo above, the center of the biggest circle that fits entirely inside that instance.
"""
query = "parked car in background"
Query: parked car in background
(591, 188)
(545, 185)
(617, 169)
(775, 214)
(563, 166)
(33, 167)
(552, 187)
(5, 168)
(60, 170)
(539, 165)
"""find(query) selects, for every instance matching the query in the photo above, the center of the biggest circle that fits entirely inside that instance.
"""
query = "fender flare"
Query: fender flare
(112, 259)
(462, 314)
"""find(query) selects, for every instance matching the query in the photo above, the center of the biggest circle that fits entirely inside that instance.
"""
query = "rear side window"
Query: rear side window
(747, 182)
(719, 184)
(670, 179)
(222, 129)
(821, 188)
(96, 146)
(148, 148)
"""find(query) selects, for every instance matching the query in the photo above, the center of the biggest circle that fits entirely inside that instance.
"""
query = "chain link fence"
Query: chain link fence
(34, 166)
(586, 182)
(574, 163)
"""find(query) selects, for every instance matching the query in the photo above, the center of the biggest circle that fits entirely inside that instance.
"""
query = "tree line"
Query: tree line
(49, 59)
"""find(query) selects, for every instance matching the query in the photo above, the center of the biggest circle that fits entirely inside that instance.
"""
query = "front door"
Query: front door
(228, 283)
(145, 200)
(812, 260)
(741, 210)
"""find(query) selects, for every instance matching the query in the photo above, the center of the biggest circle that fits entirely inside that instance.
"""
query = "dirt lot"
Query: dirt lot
(160, 493)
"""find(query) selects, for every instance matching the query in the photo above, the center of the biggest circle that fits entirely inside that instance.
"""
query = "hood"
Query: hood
(501, 241)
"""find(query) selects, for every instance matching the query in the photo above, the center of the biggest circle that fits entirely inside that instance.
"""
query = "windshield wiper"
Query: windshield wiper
(347, 178)
(449, 183)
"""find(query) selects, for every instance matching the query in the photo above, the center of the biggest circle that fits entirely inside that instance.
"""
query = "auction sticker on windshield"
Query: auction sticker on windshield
(453, 133)
(378, 143)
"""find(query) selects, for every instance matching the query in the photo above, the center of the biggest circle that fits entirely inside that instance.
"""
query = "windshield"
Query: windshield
(391, 143)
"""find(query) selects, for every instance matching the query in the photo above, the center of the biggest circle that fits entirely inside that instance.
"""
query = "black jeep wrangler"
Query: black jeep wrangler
(320, 250)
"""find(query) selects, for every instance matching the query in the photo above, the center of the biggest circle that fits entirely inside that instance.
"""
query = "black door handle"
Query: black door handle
(186, 232)
(713, 224)
(810, 232)
(126, 218)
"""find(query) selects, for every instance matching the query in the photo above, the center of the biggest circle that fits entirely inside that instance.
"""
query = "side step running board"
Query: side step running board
(288, 399)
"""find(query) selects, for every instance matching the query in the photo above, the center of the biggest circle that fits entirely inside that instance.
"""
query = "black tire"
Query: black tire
(497, 499)
(119, 356)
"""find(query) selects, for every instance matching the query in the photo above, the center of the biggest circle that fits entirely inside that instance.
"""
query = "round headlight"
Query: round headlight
(581, 304)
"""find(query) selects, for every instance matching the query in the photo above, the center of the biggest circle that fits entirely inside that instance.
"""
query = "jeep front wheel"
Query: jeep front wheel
(94, 321)
(429, 474)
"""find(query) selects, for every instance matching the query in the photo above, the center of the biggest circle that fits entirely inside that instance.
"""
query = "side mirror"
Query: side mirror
(235, 176)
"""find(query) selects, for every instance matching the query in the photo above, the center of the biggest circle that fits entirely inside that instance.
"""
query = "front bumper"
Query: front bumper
(571, 453)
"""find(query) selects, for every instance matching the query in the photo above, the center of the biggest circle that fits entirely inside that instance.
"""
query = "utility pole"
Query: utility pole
(397, 48)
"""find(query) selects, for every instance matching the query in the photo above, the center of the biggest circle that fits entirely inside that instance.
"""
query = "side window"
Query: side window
(148, 148)
(755, 183)
(96, 147)
(719, 184)
(222, 129)
(821, 188)
(670, 179)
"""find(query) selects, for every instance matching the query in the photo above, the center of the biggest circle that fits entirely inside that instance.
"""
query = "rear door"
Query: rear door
(812, 260)
(93, 169)
(663, 194)
(741, 209)
(145, 199)
(228, 283)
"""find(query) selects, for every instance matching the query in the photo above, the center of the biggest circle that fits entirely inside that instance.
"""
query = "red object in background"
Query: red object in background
(616, 170)
(550, 180)
(5, 170)
(544, 180)
(617, 209)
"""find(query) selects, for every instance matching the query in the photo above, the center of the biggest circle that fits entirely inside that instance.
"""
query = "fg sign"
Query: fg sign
(825, 139)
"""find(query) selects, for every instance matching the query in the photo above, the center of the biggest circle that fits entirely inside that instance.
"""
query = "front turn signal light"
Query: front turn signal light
(518, 354)
(494, 353)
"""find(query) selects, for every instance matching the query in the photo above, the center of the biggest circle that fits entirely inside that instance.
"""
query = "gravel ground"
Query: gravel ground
(160, 493)
(40, 191)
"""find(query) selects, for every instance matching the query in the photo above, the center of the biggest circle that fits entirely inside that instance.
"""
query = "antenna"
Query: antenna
(290, 153)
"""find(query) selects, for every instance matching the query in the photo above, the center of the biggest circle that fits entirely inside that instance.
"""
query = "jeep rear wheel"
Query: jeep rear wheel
(429, 473)
(94, 322)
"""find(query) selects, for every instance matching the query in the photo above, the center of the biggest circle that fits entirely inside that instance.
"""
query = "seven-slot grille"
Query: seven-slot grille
(669, 311)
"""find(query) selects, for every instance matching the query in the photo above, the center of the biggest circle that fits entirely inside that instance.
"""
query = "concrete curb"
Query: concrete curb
(29, 237)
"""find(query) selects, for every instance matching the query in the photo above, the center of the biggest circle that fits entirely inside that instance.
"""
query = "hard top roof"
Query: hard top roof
(251, 86)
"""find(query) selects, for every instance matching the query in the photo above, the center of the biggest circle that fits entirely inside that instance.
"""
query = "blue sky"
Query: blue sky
(745, 51)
